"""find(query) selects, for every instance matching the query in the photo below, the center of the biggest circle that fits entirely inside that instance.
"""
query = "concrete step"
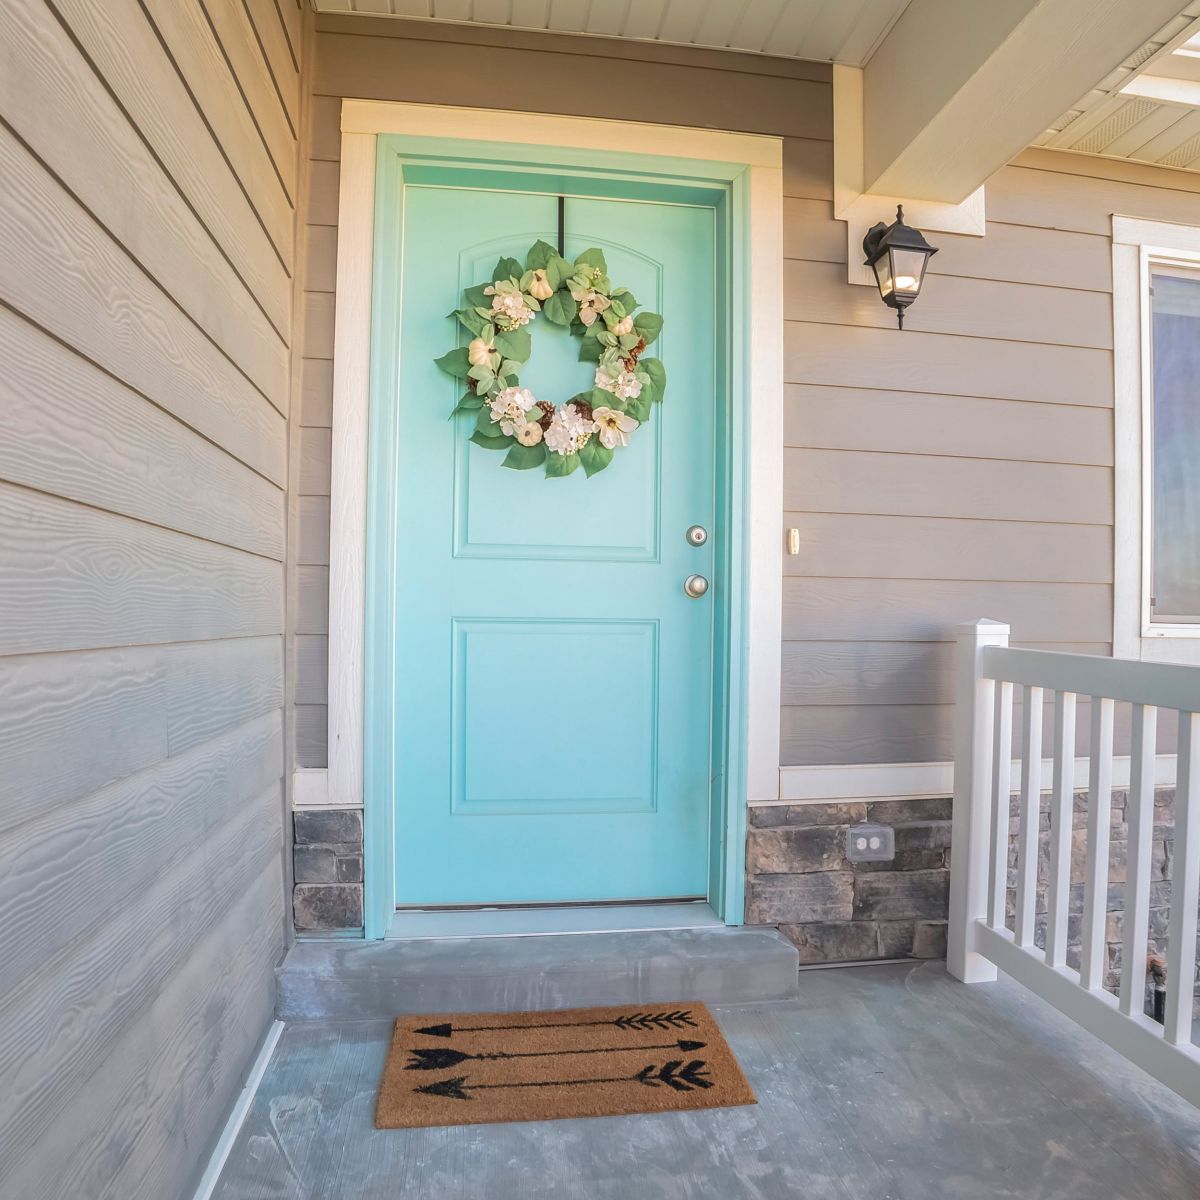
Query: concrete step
(344, 980)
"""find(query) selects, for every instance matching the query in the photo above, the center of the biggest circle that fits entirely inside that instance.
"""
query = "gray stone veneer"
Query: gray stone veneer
(798, 878)
(328, 866)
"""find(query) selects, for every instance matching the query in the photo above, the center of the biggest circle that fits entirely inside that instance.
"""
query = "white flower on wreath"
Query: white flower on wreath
(613, 427)
(509, 309)
(569, 430)
(479, 352)
(509, 407)
(623, 384)
(591, 302)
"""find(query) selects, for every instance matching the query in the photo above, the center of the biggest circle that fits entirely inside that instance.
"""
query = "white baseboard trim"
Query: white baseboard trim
(310, 787)
(920, 781)
(220, 1154)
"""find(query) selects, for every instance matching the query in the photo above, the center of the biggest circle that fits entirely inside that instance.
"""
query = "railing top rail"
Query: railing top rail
(1165, 685)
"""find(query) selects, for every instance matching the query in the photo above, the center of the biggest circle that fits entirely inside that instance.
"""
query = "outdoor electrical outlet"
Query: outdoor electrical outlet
(871, 843)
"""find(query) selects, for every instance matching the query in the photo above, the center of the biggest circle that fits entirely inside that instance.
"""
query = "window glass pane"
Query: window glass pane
(1175, 309)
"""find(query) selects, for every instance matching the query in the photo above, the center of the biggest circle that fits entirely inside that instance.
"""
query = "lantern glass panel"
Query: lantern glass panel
(908, 268)
(883, 275)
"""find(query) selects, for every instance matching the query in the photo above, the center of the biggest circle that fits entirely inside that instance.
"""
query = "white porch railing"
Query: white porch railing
(987, 670)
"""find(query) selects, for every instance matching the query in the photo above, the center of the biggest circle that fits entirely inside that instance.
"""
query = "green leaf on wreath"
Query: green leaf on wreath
(470, 320)
(475, 296)
(590, 349)
(510, 367)
(605, 338)
(516, 343)
(594, 456)
(658, 375)
(558, 271)
(507, 268)
(469, 403)
(455, 362)
(525, 458)
(560, 465)
(639, 409)
(648, 325)
(599, 398)
(560, 308)
(628, 301)
(490, 443)
(485, 424)
(616, 308)
(592, 257)
(540, 253)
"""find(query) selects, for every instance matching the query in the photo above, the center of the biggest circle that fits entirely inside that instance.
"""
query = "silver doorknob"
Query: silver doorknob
(696, 535)
(695, 586)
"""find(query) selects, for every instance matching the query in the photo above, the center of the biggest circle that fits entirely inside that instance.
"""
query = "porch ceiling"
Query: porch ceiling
(841, 31)
(1148, 109)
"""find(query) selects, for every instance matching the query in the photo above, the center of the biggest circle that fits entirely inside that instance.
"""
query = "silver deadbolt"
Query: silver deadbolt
(697, 535)
(695, 586)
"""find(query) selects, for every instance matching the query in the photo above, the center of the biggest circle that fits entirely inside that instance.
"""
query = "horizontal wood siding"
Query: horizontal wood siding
(147, 252)
(960, 469)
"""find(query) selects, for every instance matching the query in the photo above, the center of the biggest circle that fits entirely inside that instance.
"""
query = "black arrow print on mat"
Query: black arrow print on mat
(438, 1058)
(635, 1021)
(675, 1074)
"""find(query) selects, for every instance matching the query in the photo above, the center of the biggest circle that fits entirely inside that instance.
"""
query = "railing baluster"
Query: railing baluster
(1185, 886)
(1095, 897)
(1031, 805)
(1001, 804)
(1062, 820)
(1139, 813)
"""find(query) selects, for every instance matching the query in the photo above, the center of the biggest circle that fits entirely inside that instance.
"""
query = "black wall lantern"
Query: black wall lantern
(898, 254)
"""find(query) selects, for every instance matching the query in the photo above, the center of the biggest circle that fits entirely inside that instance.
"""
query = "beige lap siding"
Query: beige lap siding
(961, 469)
(147, 253)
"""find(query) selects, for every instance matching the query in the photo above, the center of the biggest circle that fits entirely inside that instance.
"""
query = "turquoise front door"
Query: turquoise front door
(553, 681)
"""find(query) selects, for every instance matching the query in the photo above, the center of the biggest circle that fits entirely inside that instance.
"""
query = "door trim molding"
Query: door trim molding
(753, 165)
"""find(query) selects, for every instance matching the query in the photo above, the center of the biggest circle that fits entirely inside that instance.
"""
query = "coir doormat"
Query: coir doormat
(475, 1068)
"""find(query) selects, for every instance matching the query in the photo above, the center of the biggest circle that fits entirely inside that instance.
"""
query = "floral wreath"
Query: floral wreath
(587, 429)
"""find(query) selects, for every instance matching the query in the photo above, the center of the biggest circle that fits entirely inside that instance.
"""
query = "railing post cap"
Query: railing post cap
(983, 629)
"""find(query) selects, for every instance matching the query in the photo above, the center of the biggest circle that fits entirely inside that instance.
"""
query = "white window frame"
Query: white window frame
(1138, 245)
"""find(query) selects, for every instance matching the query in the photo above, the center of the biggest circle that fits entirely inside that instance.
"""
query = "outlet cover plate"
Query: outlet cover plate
(871, 843)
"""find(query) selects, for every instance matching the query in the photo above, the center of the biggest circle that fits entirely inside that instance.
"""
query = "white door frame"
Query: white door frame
(362, 122)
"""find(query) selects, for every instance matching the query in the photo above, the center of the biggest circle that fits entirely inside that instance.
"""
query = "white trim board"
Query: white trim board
(310, 789)
(362, 121)
(241, 1108)
(923, 781)
(1136, 245)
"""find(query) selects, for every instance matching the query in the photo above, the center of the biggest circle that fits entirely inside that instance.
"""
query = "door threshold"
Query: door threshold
(541, 922)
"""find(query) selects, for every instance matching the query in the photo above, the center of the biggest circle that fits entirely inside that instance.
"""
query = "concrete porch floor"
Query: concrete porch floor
(890, 1082)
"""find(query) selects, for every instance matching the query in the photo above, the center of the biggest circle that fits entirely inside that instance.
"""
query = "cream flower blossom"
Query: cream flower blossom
(479, 351)
(623, 326)
(623, 384)
(613, 427)
(591, 302)
(569, 430)
(529, 433)
(540, 288)
(509, 407)
(509, 310)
